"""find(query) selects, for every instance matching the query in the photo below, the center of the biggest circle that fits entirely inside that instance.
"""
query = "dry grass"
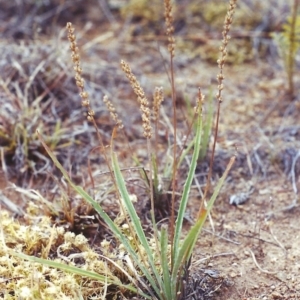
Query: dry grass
(33, 86)
(30, 281)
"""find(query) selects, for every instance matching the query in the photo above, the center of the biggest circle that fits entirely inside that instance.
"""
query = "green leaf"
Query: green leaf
(187, 187)
(79, 271)
(137, 225)
(168, 292)
(207, 126)
(186, 249)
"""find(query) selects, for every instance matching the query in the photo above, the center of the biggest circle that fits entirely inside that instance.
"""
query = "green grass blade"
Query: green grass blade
(184, 250)
(155, 179)
(207, 126)
(189, 242)
(79, 271)
(187, 187)
(168, 292)
(135, 221)
(185, 152)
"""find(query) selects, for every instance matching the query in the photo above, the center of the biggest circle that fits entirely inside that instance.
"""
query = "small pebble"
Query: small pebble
(276, 295)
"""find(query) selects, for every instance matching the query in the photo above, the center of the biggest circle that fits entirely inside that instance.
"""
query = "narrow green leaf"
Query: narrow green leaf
(185, 152)
(187, 187)
(207, 126)
(79, 271)
(168, 292)
(155, 179)
(136, 222)
(186, 249)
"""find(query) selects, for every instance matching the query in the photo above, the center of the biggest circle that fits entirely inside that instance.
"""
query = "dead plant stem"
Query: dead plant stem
(292, 48)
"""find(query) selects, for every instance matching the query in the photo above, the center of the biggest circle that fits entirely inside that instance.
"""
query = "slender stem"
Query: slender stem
(292, 48)
(211, 162)
(221, 62)
(172, 220)
(152, 213)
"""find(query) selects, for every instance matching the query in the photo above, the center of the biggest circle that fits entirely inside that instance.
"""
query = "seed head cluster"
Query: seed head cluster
(141, 98)
(158, 98)
(200, 101)
(223, 48)
(170, 27)
(112, 110)
(78, 72)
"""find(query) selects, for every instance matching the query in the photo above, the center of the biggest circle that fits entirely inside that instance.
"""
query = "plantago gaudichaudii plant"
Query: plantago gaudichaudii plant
(157, 264)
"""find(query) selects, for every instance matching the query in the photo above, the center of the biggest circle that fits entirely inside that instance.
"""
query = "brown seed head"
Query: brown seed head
(170, 27)
(223, 49)
(78, 71)
(158, 98)
(141, 98)
(113, 112)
